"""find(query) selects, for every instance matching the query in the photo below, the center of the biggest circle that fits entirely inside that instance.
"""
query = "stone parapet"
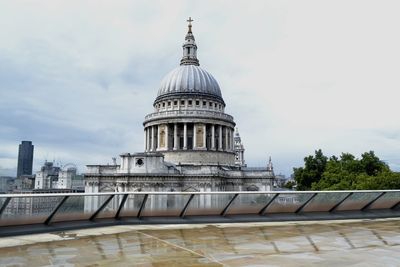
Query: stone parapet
(188, 113)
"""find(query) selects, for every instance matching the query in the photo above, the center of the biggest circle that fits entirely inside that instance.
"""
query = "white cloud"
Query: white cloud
(78, 77)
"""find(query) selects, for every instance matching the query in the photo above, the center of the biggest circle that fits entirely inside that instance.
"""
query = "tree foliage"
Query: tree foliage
(345, 173)
(312, 171)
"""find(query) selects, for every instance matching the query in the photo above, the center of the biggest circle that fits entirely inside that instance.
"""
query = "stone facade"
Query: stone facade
(189, 141)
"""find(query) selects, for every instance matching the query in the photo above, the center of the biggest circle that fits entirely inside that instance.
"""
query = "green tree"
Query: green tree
(371, 164)
(314, 167)
(350, 173)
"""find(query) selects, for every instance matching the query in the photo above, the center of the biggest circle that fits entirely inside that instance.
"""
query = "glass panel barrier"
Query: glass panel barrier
(79, 208)
(132, 206)
(2, 201)
(249, 203)
(357, 201)
(324, 202)
(287, 203)
(111, 208)
(208, 204)
(165, 205)
(28, 210)
(386, 201)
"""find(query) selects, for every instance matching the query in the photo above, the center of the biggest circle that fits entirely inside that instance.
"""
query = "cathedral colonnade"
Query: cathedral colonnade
(188, 136)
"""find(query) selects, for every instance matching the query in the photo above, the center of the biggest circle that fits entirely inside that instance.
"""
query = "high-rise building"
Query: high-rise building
(25, 158)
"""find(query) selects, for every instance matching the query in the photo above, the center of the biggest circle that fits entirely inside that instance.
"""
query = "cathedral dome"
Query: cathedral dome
(189, 79)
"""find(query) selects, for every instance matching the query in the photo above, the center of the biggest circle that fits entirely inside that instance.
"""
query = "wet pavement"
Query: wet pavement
(353, 243)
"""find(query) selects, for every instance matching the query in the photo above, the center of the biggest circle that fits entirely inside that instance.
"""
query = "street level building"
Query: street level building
(55, 178)
(190, 142)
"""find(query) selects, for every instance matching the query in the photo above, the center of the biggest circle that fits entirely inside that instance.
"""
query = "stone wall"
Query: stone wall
(200, 157)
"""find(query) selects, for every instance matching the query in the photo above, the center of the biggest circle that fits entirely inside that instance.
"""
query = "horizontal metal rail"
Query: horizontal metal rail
(195, 193)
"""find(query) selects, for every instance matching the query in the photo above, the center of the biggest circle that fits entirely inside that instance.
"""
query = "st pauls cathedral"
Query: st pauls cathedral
(190, 143)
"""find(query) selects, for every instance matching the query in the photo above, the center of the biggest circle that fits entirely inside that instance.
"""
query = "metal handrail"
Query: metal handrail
(195, 193)
(269, 202)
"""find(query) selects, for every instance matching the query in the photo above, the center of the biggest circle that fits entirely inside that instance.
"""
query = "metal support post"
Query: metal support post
(48, 220)
(183, 212)
(101, 208)
(340, 202)
(121, 205)
(305, 203)
(142, 206)
(262, 211)
(225, 210)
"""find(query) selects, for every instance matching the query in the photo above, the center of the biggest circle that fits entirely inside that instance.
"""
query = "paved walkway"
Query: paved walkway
(328, 243)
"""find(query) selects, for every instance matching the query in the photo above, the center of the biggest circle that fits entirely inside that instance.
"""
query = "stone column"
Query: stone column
(226, 138)
(232, 140)
(185, 136)
(167, 137)
(152, 138)
(145, 139)
(175, 136)
(194, 136)
(220, 138)
(158, 137)
(212, 137)
(148, 139)
(204, 136)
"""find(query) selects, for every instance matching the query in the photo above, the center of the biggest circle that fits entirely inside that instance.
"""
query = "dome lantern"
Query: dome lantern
(189, 48)
(189, 78)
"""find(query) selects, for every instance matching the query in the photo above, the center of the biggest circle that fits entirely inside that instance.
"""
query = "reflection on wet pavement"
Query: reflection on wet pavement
(366, 243)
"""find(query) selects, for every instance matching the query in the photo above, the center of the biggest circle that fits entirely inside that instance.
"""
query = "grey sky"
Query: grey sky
(78, 77)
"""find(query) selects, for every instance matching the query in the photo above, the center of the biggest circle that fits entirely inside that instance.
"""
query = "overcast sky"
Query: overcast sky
(78, 77)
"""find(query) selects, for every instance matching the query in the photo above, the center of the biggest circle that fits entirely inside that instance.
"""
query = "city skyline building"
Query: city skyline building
(25, 158)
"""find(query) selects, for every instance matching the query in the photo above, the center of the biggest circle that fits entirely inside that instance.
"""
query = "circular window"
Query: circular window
(139, 162)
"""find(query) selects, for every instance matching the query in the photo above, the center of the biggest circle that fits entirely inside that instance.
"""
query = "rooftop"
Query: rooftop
(331, 243)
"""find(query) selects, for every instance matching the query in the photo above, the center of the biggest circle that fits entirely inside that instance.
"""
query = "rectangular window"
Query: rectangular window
(182, 102)
(169, 104)
(204, 103)
(190, 102)
(163, 105)
(175, 103)
(210, 104)
(215, 105)
(197, 102)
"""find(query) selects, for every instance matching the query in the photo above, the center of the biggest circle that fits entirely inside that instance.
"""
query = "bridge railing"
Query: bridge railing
(49, 209)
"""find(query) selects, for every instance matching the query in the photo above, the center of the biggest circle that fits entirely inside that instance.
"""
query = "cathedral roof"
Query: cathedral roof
(189, 77)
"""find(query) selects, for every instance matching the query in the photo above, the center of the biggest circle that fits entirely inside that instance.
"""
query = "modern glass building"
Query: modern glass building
(25, 158)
